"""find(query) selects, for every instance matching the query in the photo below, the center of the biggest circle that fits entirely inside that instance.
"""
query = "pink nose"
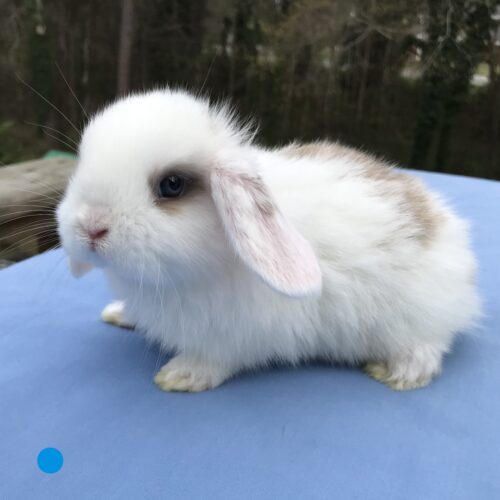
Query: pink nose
(97, 234)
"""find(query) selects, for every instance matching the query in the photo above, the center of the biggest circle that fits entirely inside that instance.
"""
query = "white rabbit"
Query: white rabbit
(233, 256)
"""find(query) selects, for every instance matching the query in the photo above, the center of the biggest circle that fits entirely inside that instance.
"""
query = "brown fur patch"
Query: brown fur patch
(261, 236)
(174, 205)
(410, 194)
(261, 196)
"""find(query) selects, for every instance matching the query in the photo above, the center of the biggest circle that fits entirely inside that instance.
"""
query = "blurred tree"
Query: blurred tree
(459, 32)
(125, 46)
(39, 56)
(390, 76)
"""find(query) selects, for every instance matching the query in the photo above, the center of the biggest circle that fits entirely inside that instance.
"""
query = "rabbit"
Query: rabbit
(233, 256)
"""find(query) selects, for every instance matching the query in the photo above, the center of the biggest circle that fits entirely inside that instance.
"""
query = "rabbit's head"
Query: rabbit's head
(166, 183)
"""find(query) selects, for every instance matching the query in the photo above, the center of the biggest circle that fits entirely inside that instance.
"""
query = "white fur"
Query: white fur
(385, 296)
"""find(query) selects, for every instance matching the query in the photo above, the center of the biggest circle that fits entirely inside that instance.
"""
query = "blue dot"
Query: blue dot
(50, 460)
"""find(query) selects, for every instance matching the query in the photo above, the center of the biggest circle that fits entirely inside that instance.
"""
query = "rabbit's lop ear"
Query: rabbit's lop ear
(262, 237)
(78, 268)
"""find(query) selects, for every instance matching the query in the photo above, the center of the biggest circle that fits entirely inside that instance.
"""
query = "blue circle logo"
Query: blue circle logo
(50, 460)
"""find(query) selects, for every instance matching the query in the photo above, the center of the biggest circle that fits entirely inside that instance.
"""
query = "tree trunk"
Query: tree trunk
(494, 94)
(125, 47)
(360, 105)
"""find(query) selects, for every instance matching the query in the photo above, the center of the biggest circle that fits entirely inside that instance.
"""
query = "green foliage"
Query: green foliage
(39, 57)
(459, 33)
(392, 77)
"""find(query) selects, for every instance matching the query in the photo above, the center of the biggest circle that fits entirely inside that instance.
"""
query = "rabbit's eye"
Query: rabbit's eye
(171, 186)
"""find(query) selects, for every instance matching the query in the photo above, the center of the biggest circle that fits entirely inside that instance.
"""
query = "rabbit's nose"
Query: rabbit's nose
(97, 233)
(93, 223)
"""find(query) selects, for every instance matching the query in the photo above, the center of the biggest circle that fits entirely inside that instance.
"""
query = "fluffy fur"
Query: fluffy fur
(304, 252)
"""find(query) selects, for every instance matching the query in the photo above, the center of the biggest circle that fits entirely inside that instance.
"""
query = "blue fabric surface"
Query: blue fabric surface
(71, 382)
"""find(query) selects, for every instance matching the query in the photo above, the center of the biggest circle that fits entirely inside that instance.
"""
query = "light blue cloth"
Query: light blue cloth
(71, 382)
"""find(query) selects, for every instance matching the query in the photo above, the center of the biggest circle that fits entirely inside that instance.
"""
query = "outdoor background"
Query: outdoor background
(417, 82)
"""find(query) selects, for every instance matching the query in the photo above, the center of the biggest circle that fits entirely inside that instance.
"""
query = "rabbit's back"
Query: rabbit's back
(396, 262)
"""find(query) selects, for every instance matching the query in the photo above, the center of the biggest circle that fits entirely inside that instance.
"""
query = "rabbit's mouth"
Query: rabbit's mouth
(94, 256)
(94, 246)
(78, 247)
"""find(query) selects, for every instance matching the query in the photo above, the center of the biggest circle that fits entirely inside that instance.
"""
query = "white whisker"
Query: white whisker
(44, 225)
(48, 102)
(51, 198)
(26, 216)
(67, 144)
(72, 92)
(27, 238)
(53, 130)
(183, 328)
(36, 205)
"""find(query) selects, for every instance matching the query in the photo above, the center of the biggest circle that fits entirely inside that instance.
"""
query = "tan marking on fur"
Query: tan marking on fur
(409, 192)
(171, 208)
(280, 261)
(261, 196)
(328, 150)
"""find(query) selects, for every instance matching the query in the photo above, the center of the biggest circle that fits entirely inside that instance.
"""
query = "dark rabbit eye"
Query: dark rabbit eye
(171, 186)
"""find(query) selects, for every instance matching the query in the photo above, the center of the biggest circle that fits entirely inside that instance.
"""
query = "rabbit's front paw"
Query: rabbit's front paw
(184, 374)
(114, 313)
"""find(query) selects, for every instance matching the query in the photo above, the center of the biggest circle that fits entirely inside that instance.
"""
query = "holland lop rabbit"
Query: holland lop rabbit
(234, 256)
